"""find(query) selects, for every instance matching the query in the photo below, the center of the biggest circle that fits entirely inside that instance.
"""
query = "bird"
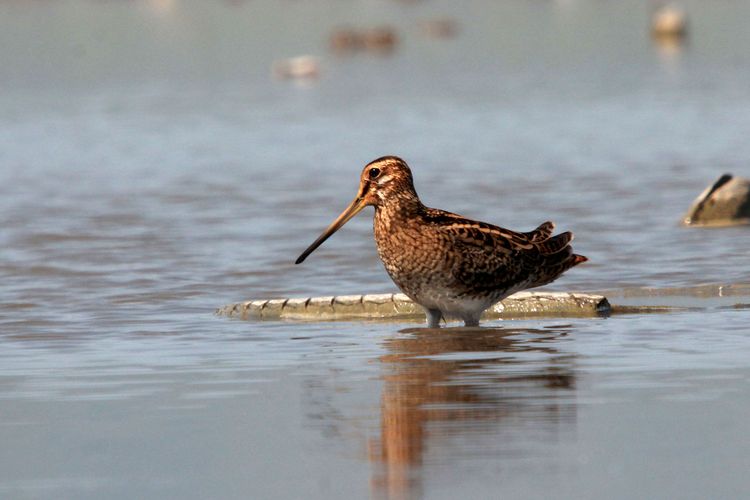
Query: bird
(450, 265)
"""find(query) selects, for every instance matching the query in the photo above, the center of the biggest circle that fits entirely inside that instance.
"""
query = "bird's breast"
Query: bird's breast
(413, 254)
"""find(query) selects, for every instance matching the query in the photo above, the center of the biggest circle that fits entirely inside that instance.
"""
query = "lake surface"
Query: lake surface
(151, 170)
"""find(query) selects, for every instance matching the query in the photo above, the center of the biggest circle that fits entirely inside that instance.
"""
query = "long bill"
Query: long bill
(353, 209)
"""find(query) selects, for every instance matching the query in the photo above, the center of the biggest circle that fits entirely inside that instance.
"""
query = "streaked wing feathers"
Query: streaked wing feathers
(489, 257)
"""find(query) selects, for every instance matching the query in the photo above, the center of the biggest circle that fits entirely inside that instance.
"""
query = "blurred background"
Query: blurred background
(512, 112)
(161, 158)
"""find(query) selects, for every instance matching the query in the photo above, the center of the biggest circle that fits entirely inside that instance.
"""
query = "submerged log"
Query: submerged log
(724, 203)
(397, 306)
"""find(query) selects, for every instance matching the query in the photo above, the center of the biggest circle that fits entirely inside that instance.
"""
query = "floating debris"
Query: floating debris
(670, 21)
(382, 39)
(346, 39)
(300, 67)
(439, 28)
(724, 203)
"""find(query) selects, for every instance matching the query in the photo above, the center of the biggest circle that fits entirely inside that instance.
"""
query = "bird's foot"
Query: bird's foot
(433, 318)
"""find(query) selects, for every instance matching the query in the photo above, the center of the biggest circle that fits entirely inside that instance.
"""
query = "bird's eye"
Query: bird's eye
(373, 173)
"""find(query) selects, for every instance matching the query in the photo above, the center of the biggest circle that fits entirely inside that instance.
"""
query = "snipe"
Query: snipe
(450, 265)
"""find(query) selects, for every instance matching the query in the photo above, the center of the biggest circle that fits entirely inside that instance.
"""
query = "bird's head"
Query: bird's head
(385, 180)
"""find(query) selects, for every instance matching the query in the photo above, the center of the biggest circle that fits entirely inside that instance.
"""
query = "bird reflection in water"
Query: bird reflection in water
(442, 383)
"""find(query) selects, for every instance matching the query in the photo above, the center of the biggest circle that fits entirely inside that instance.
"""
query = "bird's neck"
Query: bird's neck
(400, 208)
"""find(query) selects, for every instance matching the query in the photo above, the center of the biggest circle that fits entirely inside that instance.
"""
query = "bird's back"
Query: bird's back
(469, 258)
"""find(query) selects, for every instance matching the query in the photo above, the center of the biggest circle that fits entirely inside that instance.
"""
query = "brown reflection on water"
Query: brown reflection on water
(445, 382)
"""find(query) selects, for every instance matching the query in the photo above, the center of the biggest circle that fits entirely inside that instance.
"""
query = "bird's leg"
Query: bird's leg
(433, 318)
(471, 319)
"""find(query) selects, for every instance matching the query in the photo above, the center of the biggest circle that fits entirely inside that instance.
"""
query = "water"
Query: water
(151, 171)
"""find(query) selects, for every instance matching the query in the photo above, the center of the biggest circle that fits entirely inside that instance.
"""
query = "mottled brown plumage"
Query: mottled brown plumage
(450, 265)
